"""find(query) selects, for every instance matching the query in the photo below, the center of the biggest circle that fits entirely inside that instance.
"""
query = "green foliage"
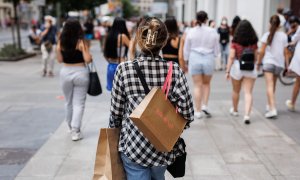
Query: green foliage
(69, 5)
(11, 50)
(128, 9)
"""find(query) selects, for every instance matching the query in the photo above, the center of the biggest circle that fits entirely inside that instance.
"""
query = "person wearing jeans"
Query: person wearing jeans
(73, 52)
(141, 160)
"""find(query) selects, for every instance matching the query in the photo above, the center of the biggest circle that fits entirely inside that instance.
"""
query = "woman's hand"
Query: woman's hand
(227, 76)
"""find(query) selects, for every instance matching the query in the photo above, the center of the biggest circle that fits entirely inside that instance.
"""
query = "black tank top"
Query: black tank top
(169, 49)
(72, 57)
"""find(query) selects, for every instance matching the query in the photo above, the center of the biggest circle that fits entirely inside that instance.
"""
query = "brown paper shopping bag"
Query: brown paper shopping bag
(157, 118)
(108, 165)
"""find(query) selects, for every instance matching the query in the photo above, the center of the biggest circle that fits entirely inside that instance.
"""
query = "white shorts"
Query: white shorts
(238, 74)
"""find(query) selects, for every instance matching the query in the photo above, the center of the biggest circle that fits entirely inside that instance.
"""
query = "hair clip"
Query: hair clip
(151, 37)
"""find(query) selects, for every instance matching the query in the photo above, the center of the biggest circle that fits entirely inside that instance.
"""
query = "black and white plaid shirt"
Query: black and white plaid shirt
(128, 92)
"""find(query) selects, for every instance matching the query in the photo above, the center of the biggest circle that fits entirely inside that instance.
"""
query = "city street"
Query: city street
(35, 143)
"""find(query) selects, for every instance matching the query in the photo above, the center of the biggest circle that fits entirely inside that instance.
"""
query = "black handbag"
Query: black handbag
(177, 169)
(247, 60)
(95, 88)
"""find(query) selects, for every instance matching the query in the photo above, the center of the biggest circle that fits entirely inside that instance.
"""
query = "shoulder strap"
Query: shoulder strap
(141, 77)
(120, 47)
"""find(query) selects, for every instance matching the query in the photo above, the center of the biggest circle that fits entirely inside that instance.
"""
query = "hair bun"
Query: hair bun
(152, 35)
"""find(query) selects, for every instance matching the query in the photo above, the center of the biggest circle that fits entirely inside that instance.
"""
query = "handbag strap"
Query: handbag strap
(92, 68)
(168, 81)
(141, 77)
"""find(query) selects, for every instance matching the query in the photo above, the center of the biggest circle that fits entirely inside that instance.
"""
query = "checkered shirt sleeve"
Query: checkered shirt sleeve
(128, 92)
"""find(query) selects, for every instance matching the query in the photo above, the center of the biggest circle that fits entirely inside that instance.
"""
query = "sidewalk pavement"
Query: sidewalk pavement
(221, 147)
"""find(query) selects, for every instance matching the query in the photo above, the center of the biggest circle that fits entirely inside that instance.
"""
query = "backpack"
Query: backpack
(247, 60)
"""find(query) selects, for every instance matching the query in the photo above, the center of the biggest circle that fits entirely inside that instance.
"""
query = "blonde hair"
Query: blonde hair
(151, 36)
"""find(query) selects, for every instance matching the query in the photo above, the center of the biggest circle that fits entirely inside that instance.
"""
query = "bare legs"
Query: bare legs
(201, 90)
(271, 80)
(295, 91)
(248, 84)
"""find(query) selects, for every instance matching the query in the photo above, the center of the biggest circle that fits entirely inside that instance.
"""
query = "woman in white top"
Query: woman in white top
(200, 49)
(273, 54)
(295, 64)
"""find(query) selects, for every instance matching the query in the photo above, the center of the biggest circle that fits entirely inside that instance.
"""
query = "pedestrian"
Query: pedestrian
(281, 17)
(224, 32)
(295, 63)
(48, 36)
(141, 160)
(273, 55)
(200, 49)
(244, 38)
(287, 13)
(74, 53)
(116, 47)
(212, 23)
(170, 51)
(88, 29)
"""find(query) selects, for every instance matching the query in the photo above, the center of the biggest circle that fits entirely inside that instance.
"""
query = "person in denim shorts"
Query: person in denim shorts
(273, 54)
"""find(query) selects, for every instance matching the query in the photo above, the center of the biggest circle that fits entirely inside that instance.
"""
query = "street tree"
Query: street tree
(128, 9)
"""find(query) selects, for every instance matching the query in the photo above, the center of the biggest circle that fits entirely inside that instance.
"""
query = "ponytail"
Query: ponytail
(274, 22)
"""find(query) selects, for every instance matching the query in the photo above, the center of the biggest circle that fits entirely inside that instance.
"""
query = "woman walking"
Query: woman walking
(115, 48)
(73, 52)
(295, 64)
(244, 38)
(200, 49)
(141, 160)
(273, 55)
(171, 50)
(224, 32)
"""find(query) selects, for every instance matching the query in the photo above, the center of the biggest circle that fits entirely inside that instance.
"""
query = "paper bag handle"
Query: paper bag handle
(168, 81)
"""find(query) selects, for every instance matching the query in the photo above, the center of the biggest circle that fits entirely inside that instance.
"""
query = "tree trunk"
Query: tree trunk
(15, 3)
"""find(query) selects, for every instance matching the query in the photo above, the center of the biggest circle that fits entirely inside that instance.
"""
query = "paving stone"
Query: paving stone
(208, 165)
(43, 166)
(249, 172)
(287, 164)
(274, 145)
(239, 154)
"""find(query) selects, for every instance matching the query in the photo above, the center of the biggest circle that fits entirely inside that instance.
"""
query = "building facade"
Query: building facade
(144, 6)
(6, 10)
(257, 12)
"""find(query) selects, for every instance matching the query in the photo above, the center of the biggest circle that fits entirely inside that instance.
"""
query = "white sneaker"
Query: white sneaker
(246, 119)
(271, 114)
(205, 111)
(289, 105)
(198, 115)
(267, 108)
(233, 113)
(76, 136)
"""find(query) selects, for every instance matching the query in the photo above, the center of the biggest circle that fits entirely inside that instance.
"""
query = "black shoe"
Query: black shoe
(208, 115)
